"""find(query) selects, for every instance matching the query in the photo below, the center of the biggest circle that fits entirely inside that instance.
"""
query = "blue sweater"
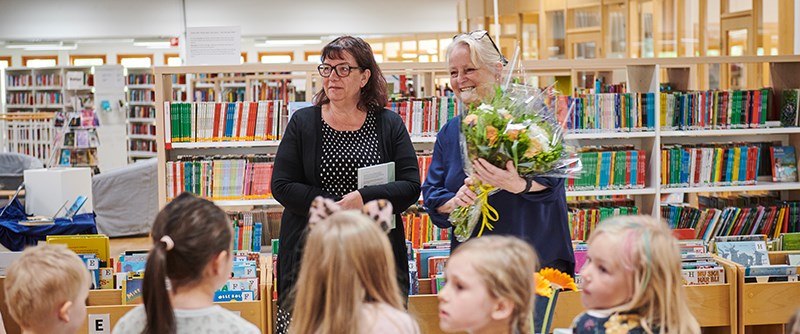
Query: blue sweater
(540, 218)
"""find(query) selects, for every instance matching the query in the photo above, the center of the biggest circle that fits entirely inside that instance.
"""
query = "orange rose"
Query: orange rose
(470, 120)
(491, 134)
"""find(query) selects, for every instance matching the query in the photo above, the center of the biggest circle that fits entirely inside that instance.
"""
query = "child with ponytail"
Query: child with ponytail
(190, 259)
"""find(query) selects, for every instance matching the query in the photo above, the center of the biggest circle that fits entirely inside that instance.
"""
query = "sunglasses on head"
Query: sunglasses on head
(477, 35)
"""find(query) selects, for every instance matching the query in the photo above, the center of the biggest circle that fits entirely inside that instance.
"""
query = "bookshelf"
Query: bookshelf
(141, 113)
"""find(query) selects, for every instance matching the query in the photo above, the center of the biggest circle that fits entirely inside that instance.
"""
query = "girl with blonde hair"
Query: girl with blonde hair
(632, 280)
(489, 286)
(347, 279)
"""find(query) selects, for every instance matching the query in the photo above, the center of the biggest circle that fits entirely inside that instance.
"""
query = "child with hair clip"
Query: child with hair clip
(632, 280)
(190, 259)
(489, 286)
(347, 279)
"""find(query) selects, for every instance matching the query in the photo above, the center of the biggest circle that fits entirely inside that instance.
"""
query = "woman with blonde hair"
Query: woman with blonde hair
(347, 279)
(632, 280)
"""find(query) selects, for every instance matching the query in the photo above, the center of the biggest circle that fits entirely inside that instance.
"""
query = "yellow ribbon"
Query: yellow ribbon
(487, 211)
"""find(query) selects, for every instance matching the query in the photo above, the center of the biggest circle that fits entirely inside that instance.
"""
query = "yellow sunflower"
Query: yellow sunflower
(558, 279)
(543, 286)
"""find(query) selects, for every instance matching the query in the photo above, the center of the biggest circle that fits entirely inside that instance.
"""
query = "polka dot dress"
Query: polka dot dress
(344, 152)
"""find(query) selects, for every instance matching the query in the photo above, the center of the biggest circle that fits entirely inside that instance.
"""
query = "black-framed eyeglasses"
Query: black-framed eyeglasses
(342, 70)
(477, 35)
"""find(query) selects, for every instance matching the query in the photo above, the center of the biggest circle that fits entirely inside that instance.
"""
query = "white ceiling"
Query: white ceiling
(92, 19)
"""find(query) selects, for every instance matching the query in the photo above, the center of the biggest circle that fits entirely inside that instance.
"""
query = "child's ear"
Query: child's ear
(63, 311)
(502, 309)
(220, 262)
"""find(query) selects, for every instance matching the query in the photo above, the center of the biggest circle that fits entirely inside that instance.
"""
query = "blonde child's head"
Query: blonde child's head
(489, 284)
(633, 266)
(46, 289)
(347, 261)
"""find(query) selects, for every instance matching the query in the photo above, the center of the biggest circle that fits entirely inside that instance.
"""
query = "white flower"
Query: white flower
(502, 111)
(536, 133)
(485, 107)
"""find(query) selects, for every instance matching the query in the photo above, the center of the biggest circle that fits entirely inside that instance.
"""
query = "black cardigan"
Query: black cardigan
(296, 182)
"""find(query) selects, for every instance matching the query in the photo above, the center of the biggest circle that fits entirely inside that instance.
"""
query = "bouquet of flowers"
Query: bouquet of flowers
(519, 124)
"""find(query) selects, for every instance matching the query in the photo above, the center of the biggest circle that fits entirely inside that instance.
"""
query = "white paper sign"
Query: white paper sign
(99, 324)
(213, 45)
(75, 79)
(109, 79)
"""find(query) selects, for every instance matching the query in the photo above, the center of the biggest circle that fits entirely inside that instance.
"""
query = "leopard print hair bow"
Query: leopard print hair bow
(379, 210)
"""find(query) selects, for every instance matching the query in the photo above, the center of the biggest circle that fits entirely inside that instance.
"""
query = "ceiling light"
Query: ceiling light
(42, 46)
(287, 42)
(153, 44)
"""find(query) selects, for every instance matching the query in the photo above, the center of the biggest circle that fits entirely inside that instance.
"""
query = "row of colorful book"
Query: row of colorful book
(282, 90)
(702, 110)
(221, 178)
(141, 79)
(600, 87)
(49, 98)
(233, 95)
(424, 161)
(139, 95)
(582, 221)
(424, 117)
(221, 121)
(608, 112)
(711, 222)
(269, 218)
(20, 80)
(20, 98)
(142, 145)
(710, 164)
(205, 94)
(420, 230)
(142, 129)
(141, 112)
(723, 200)
(611, 167)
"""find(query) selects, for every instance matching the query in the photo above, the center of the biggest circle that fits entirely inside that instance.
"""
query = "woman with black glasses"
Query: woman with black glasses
(324, 146)
(533, 209)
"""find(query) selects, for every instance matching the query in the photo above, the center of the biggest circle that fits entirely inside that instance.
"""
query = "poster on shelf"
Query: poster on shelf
(109, 79)
(213, 45)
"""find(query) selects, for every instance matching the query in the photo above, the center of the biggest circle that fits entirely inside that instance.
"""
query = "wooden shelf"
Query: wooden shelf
(226, 144)
(609, 192)
(141, 86)
(730, 132)
(611, 135)
(19, 106)
(19, 88)
(141, 154)
(80, 88)
(149, 137)
(762, 185)
(141, 103)
(142, 120)
(47, 87)
(247, 202)
(49, 106)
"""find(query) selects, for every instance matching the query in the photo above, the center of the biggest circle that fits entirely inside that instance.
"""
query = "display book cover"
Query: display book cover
(377, 175)
(784, 163)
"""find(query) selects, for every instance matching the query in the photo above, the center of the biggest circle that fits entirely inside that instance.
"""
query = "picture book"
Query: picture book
(132, 288)
(770, 270)
(789, 241)
(436, 265)
(85, 244)
(789, 108)
(65, 158)
(703, 276)
(746, 253)
(230, 296)
(784, 164)
(82, 138)
(69, 139)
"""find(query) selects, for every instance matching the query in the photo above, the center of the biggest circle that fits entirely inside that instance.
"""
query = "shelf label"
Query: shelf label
(99, 324)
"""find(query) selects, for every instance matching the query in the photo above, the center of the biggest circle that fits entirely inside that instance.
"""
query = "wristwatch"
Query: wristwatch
(528, 185)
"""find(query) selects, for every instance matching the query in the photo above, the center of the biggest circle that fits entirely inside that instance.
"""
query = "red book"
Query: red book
(270, 112)
(251, 121)
(640, 169)
(218, 120)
